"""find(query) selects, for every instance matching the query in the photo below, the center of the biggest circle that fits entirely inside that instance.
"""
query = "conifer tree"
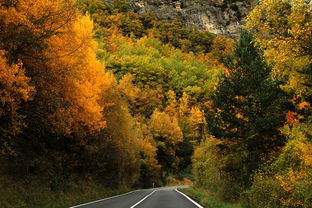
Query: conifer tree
(249, 109)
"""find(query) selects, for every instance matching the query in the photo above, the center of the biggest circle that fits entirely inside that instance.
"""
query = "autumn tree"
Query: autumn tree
(25, 24)
(207, 164)
(191, 120)
(222, 47)
(142, 102)
(117, 148)
(167, 134)
(49, 46)
(58, 53)
(15, 89)
(287, 180)
(282, 29)
(285, 38)
(188, 39)
(149, 165)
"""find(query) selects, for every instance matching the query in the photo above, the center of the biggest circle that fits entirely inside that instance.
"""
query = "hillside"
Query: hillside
(100, 98)
(218, 17)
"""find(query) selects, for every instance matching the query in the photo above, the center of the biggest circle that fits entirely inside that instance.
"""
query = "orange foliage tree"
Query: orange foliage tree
(55, 44)
(14, 90)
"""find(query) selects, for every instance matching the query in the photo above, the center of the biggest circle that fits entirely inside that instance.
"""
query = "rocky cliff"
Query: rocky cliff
(217, 16)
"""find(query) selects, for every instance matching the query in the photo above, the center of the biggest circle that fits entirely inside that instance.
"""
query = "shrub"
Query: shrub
(287, 182)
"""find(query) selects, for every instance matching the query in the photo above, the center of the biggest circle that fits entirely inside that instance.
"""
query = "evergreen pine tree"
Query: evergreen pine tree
(249, 109)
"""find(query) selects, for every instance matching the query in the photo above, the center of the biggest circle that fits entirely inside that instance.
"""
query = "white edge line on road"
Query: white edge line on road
(142, 200)
(186, 196)
(103, 199)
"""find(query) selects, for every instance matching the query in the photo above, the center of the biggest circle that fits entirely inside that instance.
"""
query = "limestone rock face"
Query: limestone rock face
(216, 16)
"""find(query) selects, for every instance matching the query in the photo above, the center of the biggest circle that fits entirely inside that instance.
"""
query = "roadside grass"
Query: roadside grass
(16, 194)
(207, 200)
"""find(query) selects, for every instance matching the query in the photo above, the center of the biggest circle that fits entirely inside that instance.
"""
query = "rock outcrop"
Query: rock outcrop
(219, 17)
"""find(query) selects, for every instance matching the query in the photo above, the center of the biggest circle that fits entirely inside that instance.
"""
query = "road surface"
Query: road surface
(166, 197)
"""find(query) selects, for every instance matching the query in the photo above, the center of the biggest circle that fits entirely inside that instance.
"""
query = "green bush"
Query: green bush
(264, 193)
(209, 169)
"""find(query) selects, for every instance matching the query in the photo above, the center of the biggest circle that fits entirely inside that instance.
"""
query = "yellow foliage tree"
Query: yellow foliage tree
(283, 29)
(167, 134)
(221, 47)
(141, 101)
(191, 118)
(197, 121)
(150, 168)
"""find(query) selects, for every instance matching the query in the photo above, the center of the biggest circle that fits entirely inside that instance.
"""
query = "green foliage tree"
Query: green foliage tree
(97, 9)
(120, 5)
(188, 39)
(110, 17)
(207, 165)
(249, 109)
(155, 65)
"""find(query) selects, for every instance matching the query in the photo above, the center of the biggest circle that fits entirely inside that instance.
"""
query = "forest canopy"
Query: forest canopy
(96, 97)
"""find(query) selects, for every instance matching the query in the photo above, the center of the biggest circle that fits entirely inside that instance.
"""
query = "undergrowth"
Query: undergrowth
(25, 194)
(207, 200)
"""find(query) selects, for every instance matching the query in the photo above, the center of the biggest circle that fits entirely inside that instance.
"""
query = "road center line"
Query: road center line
(186, 196)
(142, 200)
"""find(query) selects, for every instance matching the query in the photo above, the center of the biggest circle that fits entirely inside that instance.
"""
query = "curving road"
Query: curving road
(166, 197)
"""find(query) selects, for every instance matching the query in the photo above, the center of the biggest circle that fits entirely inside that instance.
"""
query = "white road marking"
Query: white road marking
(103, 199)
(142, 200)
(194, 202)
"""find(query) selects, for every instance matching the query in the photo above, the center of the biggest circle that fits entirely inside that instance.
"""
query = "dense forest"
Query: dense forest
(96, 100)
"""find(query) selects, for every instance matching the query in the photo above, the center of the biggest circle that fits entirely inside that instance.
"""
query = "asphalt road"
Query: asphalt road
(167, 197)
